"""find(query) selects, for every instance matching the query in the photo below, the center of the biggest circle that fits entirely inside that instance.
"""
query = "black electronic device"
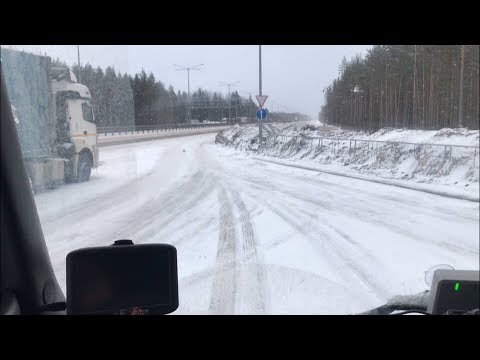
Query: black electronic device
(122, 279)
(454, 292)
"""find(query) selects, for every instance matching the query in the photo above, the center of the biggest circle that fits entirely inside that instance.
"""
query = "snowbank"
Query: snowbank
(414, 156)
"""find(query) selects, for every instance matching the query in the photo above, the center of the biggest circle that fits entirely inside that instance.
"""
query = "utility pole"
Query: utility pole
(79, 70)
(229, 95)
(260, 130)
(187, 69)
(460, 100)
(414, 103)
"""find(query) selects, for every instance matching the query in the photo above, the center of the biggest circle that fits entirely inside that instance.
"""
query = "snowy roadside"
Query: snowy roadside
(448, 165)
(442, 190)
(313, 243)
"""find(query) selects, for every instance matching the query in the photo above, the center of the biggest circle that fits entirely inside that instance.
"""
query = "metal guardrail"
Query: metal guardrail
(137, 129)
(447, 153)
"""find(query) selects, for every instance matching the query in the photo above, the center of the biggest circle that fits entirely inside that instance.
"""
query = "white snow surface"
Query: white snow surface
(261, 238)
(457, 172)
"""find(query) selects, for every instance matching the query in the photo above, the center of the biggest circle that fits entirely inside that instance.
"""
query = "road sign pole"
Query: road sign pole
(260, 135)
(189, 115)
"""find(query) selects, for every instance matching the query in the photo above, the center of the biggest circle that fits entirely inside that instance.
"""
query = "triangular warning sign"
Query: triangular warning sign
(261, 99)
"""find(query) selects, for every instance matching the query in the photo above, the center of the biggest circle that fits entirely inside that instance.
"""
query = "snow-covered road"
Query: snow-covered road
(257, 237)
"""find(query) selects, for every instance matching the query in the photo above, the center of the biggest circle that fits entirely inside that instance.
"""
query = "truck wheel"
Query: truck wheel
(84, 168)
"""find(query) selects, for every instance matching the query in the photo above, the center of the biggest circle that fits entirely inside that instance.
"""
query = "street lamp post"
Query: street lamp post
(187, 69)
(79, 70)
(260, 135)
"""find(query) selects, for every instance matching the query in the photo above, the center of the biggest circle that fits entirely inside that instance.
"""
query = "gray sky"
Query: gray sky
(293, 75)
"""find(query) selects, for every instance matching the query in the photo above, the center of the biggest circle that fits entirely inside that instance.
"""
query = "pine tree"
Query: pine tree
(411, 86)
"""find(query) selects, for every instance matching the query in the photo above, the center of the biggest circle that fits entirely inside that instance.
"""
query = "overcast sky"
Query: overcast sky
(293, 75)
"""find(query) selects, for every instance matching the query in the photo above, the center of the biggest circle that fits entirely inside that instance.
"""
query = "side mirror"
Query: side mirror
(123, 279)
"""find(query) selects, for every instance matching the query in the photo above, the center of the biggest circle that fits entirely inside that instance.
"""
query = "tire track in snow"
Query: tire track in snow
(326, 248)
(149, 219)
(248, 244)
(104, 201)
(354, 244)
(167, 208)
(222, 300)
(249, 272)
(252, 276)
(398, 200)
(366, 213)
(107, 199)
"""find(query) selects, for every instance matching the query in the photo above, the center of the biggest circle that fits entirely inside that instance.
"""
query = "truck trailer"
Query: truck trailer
(54, 116)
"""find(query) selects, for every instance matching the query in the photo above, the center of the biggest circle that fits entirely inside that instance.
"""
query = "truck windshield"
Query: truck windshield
(87, 112)
(292, 179)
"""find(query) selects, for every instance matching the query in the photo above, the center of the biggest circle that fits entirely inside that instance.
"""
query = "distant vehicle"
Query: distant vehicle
(224, 120)
(238, 120)
(193, 121)
(55, 120)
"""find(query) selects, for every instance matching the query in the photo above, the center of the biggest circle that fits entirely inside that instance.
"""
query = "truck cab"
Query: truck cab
(76, 129)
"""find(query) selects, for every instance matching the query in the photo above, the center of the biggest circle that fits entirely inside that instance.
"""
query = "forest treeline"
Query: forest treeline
(406, 86)
(141, 99)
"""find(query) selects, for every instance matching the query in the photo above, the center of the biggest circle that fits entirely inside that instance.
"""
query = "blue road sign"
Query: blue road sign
(262, 114)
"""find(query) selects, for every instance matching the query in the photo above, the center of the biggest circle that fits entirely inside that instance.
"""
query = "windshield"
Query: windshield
(291, 179)
(87, 112)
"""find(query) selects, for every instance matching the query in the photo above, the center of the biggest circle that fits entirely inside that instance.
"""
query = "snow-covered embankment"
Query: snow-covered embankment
(447, 165)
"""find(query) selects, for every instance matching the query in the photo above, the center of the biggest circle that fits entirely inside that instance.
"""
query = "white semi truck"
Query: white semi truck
(55, 120)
